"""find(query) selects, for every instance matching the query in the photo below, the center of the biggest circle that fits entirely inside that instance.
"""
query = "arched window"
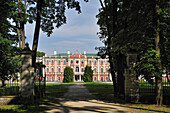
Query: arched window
(82, 62)
(95, 62)
(82, 69)
(52, 78)
(64, 62)
(52, 70)
(95, 70)
(71, 61)
(59, 70)
(47, 70)
(58, 61)
(101, 70)
(52, 62)
(77, 69)
(101, 61)
(47, 62)
(106, 70)
(89, 61)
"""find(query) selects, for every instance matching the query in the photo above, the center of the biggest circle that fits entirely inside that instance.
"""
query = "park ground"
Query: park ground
(79, 98)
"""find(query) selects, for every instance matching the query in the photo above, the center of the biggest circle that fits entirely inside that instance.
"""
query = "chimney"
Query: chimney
(84, 52)
(77, 51)
(68, 52)
(55, 52)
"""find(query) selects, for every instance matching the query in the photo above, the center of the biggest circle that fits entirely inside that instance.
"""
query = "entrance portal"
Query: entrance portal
(78, 78)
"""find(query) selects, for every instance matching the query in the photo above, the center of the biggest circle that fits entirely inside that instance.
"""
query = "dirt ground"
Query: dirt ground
(79, 100)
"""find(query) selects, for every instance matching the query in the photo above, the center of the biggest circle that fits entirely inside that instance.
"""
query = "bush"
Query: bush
(88, 74)
(68, 74)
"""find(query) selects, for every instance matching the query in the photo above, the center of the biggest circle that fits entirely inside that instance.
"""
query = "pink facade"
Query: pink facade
(56, 64)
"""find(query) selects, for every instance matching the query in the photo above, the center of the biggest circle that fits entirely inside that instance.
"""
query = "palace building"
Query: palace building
(55, 65)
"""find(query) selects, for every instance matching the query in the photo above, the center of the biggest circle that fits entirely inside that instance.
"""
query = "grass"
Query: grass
(104, 91)
(53, 91)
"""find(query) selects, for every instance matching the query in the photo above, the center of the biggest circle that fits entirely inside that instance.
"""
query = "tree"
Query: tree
(68, 74)
(88, 74)
(40, 54)
(141, 27)
(9, 54)
(110, 24)
(45, 13)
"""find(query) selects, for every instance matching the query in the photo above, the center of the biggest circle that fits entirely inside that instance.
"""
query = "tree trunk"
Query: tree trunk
(113, 77)
(3, 83)
(120, 76)
(158, 79)
(37, 31)
(19, 38)
(159, 92)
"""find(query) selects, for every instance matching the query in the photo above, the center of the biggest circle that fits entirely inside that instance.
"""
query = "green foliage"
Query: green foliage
(148, 65)
(88, 74)
(9, 59)
(68, 74)
(40, 54)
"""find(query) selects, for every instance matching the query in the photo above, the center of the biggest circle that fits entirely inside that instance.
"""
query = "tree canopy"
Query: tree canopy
(68, 74)
(136, 26)
(88, 74)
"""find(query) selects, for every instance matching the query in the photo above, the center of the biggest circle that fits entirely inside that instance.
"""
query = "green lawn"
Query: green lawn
(104, 91)
(53, 91)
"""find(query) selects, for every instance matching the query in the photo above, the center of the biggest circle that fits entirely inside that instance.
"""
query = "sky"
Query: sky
(79, 33)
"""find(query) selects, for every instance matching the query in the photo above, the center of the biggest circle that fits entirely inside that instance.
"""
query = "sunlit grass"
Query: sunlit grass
(53, 91)
(104, 91)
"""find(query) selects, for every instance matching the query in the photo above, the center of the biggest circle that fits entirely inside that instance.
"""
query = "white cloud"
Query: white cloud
(68, 43)
(72, 31)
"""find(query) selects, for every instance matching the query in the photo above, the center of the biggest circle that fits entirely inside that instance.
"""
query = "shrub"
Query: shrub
(88, 74)
(68, 74)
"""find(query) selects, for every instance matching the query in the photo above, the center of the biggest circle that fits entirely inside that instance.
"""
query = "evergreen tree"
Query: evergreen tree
(88, 74)
(68, 74)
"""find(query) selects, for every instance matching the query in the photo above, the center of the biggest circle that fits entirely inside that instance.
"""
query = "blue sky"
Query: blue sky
(80, 32)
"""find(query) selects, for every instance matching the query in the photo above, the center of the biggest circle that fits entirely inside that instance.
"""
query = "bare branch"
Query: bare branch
(102, 4)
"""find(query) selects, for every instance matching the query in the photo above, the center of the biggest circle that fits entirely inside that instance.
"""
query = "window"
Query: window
(101, 78)
(82, 62)
(82, 69)
(106, 70)
(47, 70)
(101, 70)
(52, 62)
(47, 62)
(64, 62)
(89, 61)
(95, 62)
(59, 70)
(58, 61)
(52, 70)
(95, 79)
(47, 78)
(77, 61)
(95, 70)
(101, 61)
(107, 62)
(107, 79)
(77, 69)
(52, 78)
(71, 61)
(59, 78)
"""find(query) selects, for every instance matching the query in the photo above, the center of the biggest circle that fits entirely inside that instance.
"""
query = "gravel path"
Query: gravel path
(79, 100)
